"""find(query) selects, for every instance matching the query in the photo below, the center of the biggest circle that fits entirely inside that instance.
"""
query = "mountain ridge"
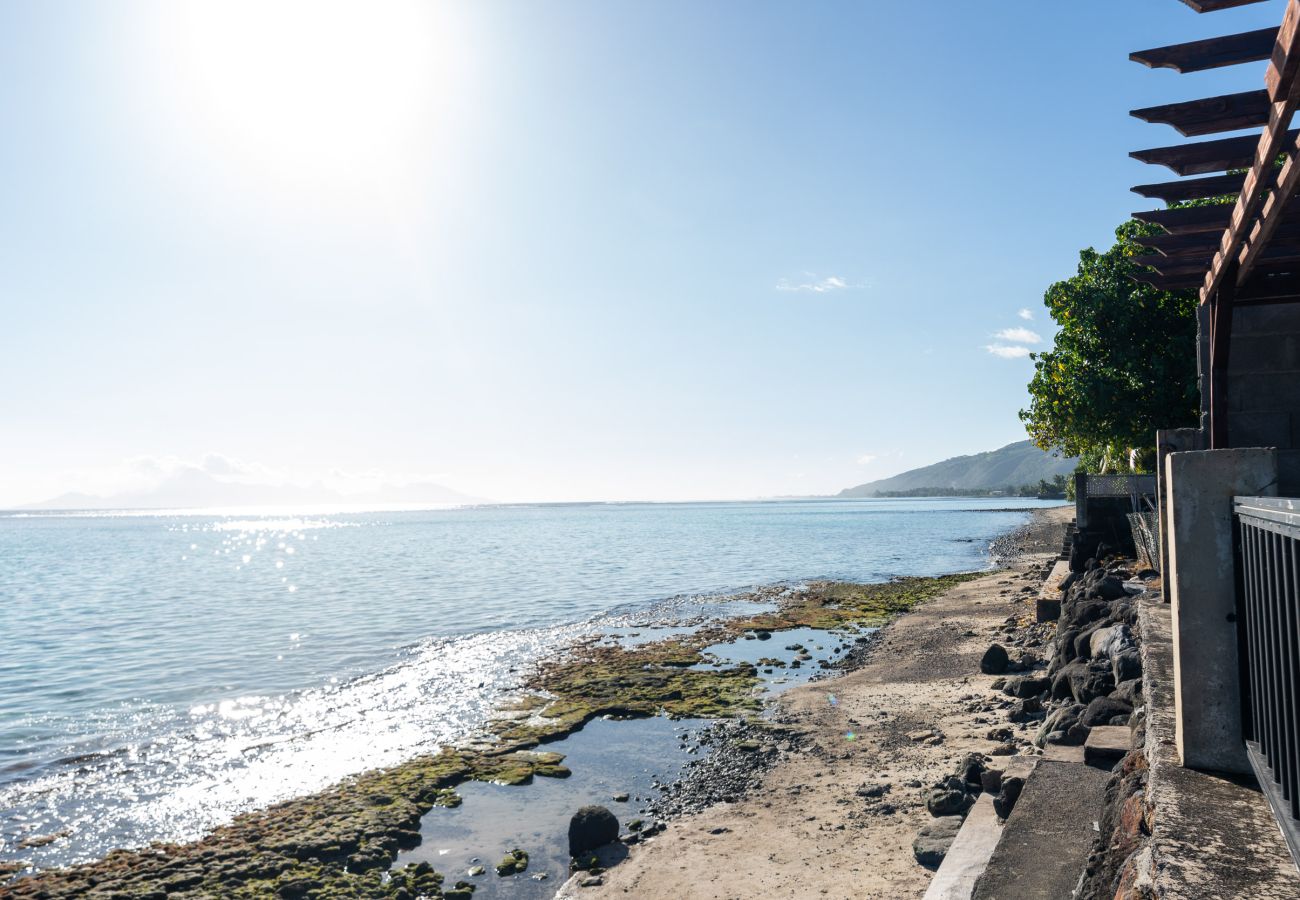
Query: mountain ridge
(1014, 465)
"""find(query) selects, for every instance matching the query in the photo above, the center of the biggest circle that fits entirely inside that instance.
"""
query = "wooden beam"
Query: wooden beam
(1188, 219)
(1193, 188)
(1281, 83)
(1173, 265)
(1206, 156)
(1204, 6)
(1220, 344)
(1215, 53)
(1171, 244)
(1212, 115)
(1167, 282)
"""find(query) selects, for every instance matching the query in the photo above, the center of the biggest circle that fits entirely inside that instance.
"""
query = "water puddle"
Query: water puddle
(607, 758)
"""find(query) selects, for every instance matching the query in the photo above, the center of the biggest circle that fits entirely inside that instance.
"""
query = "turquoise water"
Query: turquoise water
(162, 673)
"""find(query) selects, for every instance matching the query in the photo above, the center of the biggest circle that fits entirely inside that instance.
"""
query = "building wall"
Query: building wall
(1264, 385)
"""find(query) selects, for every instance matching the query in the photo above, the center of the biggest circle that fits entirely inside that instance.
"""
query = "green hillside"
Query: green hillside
(1014, 465)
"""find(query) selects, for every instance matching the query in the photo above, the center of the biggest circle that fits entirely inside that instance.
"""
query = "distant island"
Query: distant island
(1018, 469)
(192, 488)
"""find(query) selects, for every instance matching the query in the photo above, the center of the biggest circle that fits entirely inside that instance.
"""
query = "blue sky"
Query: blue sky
(572, 250)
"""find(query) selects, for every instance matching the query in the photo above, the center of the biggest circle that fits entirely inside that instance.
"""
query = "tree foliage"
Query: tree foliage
(1123, 363)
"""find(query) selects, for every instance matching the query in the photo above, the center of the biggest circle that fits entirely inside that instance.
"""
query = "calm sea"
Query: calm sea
(161, 673)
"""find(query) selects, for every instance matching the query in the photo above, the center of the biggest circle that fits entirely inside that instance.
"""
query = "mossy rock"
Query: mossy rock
(513, 863)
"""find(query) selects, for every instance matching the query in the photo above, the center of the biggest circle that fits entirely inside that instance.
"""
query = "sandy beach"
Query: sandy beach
(890, 727)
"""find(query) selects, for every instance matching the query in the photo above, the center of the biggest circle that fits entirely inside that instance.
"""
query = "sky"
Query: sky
(574, 250)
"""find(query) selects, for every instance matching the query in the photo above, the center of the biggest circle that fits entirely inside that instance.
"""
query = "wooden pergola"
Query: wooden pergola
(1237, 254)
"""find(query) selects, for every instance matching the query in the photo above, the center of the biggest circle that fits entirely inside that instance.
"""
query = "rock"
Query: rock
(873, 791)
(1059, 723)
(971, 768)
(763, 635)
(593, 881)
(948, 799)
(591, 827)
(932, 841)
(516, 861)
(994, 661)
(620, 798)
(1025, 710)
(1006, 799)
(475, 871)
(1026, 686)
(1126, 665)
(1091, 681)
(1129, 691)
(1102, 709)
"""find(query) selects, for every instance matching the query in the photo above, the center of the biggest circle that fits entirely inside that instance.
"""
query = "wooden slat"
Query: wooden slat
(1204, 157)
(1188, 219)
(1167, 282)
(1197, 56)
(1171, 244)
(1204, 6)
(1212, 115)
(1175, 265)
(1281, 82)
(1193, 188)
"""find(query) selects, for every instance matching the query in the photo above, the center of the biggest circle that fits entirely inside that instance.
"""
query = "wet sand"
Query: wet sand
(806, 831)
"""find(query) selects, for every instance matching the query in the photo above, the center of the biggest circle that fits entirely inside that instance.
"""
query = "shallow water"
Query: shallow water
(162, 673)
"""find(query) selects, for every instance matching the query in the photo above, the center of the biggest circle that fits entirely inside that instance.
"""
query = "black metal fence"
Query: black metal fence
(1268, 566)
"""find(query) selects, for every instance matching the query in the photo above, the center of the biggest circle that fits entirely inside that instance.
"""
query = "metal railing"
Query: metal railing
(1268, 597)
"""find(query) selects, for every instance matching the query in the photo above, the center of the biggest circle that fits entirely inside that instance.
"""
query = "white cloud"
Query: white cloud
(1025, 314)
(1019, 336)
(816, 285)
(1007, 351)
(867, 459)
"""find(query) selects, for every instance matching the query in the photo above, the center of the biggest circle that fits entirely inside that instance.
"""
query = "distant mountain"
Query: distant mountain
(1014, 465)
(191, 488)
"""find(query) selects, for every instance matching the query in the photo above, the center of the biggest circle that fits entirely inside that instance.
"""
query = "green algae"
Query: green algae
(341, 842)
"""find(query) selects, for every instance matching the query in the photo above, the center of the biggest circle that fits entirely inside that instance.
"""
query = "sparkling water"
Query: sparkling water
(161, 673)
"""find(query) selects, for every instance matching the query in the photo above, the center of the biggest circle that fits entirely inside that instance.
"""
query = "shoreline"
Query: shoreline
(838, 819)
(341, 840)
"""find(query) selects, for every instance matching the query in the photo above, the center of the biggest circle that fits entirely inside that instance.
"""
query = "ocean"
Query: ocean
(161, 673)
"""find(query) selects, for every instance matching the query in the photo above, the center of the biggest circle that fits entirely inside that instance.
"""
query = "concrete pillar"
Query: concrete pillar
(1170, 440)
(1207, 690)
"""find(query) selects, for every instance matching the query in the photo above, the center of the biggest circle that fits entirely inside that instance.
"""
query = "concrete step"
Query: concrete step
(979, 835)
(1046, 841)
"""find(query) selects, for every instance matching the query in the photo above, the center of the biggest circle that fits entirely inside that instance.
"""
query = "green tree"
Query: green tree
(1123, 363)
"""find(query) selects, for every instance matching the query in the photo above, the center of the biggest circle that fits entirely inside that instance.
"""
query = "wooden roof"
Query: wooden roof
(1253, 239)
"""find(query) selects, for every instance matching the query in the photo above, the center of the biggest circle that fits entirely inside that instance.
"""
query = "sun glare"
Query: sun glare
(315, 90)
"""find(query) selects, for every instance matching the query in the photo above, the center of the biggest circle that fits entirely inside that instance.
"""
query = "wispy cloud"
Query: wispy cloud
(1019, 336)
(817, 285)
(1007, 351)
(867, 459)
(1026, 314)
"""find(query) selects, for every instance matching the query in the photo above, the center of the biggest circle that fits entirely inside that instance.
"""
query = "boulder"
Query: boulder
(1091, 681)
(1024, 686)
(1129, 691)
(947, 800)
(1025, 710)
(1006, 799)
(1126, 665)
(994, 661)
(591, 827)
(933, 840)
(1059, 721)
(1116, 639)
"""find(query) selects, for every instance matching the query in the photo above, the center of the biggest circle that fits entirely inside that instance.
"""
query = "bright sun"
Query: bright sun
(314, 89)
